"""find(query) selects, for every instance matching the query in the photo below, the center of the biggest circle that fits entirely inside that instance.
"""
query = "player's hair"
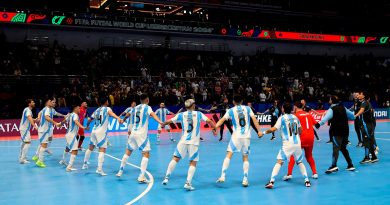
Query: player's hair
(365, 93)
(298, 104)
(49, 98)
(143, 97)
(102, 100)
(237, 99)
(28, 101)
(335, 99)
(74, 106)
(287, 108)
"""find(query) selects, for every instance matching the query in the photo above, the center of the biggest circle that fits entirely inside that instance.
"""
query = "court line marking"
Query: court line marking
(151, 178)
(383, 139)
(383, 132)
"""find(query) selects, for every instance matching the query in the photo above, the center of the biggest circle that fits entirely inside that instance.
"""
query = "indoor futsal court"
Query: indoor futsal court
(19, 183)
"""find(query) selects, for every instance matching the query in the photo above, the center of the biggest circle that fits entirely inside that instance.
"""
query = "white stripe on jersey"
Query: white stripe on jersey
(240, 116)
(141, 119)
(72, 126)
(101, 119)
(289, 125)
(162, 113)
(24, 122)
(190, 123)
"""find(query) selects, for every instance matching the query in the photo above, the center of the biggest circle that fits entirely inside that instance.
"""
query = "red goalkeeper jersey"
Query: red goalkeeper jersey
(307, 123)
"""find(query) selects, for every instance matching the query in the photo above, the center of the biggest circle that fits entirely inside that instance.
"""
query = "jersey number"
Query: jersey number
(241, 119)
(292, 128)
(137, 117)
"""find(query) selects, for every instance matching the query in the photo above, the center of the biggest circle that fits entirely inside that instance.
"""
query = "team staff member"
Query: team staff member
(275, 112)
(338, 116)
(356, 108)
(367, 127)
(222, 108)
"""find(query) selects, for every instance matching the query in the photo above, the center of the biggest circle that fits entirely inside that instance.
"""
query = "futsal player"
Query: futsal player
(24, 128)
(82, 115)
(306, 108)
(129, 112)
(99, 133)
(44, 129)
(162, 113)
(240, 140)
(139, 137)
(338, 116)
(74, 126)
(291, 130)
(307, 140)
(275, 112)
(189, 142)
(367, 126)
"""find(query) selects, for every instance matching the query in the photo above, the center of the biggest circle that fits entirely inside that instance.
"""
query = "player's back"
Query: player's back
(307, 122)
(45, 125)
(141, 116)
(290, 125)
(240, 116)
(101, 119)
(72, 126)
(191, 121)
(24, 122)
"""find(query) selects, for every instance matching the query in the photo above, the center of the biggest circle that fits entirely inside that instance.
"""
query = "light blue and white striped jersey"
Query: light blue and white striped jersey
(44, 125)
(101, 119)
(72, 126)
(131, 111)
(24, 122)
(162, 113)
(289, 125)
(240, 116)
(141, 119)
(190, 123)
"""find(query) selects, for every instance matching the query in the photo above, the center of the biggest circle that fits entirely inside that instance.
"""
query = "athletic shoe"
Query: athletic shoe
(245, 182)
(24, 161)
(331, 170)
(350, 168)
(173, 140)
(272, 138)
(70, 169)
(269, 185)
(307, 184)
(48, 151)
(188, 187)
(142, 180)
(349, 142)
(165, 181)
(35, 158)
(40, 164)
(377, 150)
(201, 139)
(287, 177)
(315, 176)
(359, 144)
(318, 139)
(101, 173)
(329, 142)
(365, 160)
(63, 162)
(119, 174)
(85, 166)
(220, 139)
(221, 180)
(374, 159)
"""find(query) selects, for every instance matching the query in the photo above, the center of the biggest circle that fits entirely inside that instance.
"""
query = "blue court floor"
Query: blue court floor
(28, 184)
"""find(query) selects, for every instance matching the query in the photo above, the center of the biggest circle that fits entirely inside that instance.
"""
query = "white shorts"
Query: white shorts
(25, 135)
(183, 149)
(44, 137)
(166, 127)
(98, 139)
(242, 145)
(71, 142)
(288, 150)
(140, 142)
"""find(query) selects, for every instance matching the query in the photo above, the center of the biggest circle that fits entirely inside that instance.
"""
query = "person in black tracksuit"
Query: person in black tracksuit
(338, 116)
(367, 127)
(356, 107)
(254, 111)
(222, 108)
(275, 112)
(306, 108)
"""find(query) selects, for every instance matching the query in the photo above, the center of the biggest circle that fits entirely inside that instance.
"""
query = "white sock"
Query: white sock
(225, 166)
(171, 167)
(21, 150)
(25, 150)
(245, 167)
(144, 165)
(71, 160)
(64, 155)
(170, 135)
(275, 171)
(40, 155)
(191, 172)
(100, 161)
(37, 152)
(302, 168)
(87, 155)
(123, 162)
(158, 136)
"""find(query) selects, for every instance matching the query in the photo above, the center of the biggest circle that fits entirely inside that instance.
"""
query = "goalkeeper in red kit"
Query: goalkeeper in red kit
(307, 140)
